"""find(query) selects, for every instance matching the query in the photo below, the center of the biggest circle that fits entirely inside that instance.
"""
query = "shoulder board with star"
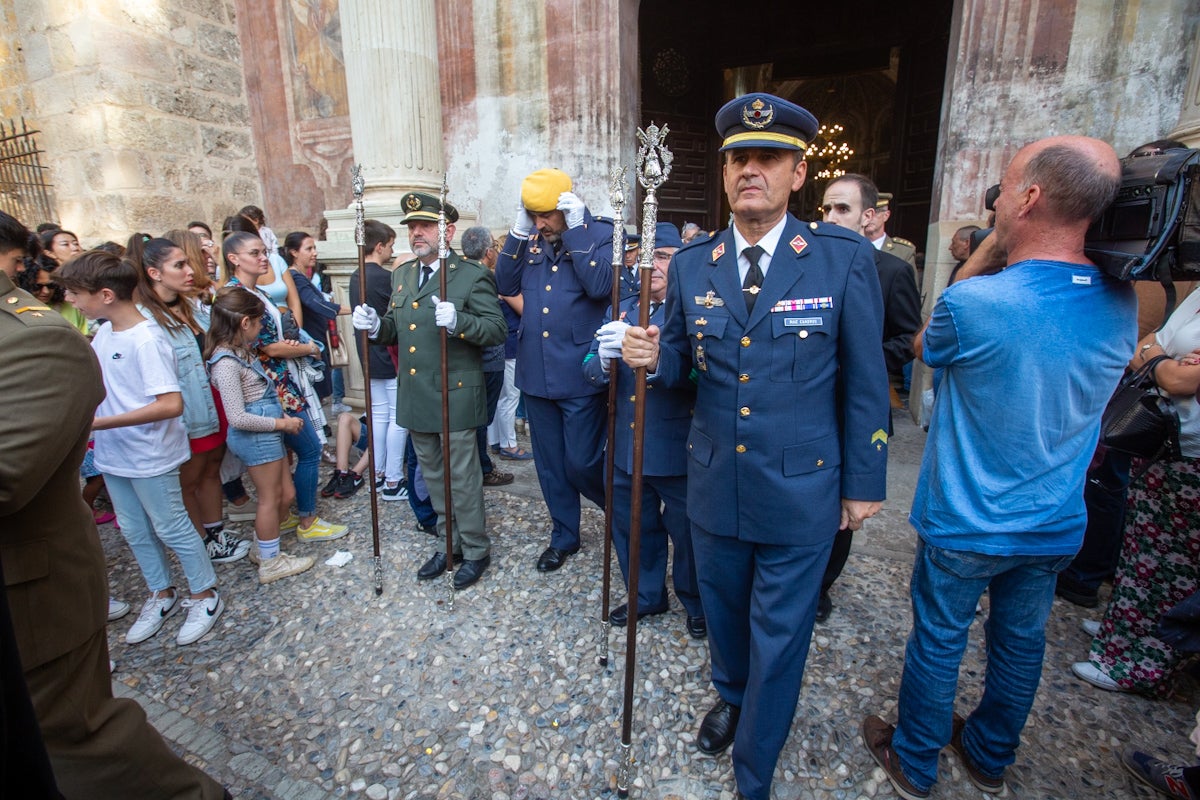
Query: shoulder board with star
(828, 229)
(904, 242)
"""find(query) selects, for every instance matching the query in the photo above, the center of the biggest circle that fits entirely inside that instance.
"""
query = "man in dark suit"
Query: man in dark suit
(470, 315)
(664, 462)
(559, 258)
(54, 568)
(780, 322)
(850, 202)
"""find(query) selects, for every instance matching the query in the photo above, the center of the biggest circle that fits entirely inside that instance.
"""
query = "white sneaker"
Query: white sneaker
(1089, 672)
(202, 615)
(283, 566)
(340, 408)
(243, 513)
(150, 620)
(117, 609)
(1091, 627)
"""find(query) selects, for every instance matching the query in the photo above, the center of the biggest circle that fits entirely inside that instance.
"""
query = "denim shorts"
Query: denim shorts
(258, 447)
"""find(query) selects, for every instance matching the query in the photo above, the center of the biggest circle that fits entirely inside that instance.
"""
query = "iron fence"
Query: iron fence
(24, 192)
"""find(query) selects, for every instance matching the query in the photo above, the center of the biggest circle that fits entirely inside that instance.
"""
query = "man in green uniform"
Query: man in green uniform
(470, 315)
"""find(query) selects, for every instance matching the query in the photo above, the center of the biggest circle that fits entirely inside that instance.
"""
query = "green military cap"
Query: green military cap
(885, 200)
(418, 205)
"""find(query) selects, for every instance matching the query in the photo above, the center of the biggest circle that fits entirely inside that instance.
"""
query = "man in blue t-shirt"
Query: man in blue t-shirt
(1032, 339)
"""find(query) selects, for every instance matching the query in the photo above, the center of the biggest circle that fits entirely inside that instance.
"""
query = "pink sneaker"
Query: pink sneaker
(103, 516)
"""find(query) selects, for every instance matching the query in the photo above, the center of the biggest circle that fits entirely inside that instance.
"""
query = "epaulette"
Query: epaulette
(905, 242)
(829, 229)
(701, 239)
(25, 307)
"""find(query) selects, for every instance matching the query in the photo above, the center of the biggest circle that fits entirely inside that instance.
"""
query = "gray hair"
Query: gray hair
(1072, 182)
(476, 241)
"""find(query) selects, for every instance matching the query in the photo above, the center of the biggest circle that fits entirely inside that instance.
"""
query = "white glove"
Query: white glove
(445, 314)
(524, 224)
(609, 348)
(364, 318)
(572, 208)
(615, 329)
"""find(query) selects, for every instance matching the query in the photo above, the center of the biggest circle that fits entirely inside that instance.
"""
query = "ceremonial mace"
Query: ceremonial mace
(447, 512)
(358, 184)
(617, 196)
(653, 167)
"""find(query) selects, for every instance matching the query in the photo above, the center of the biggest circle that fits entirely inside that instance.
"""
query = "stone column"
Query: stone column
(1188, 129)
(393, 85)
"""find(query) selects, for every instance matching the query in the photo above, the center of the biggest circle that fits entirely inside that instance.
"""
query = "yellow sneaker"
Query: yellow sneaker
(290, 524)
(321, 531)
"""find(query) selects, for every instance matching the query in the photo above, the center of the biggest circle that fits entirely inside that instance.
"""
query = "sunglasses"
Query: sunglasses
(50, 286)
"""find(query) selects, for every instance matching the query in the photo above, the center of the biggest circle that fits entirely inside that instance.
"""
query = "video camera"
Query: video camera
(1152, 230)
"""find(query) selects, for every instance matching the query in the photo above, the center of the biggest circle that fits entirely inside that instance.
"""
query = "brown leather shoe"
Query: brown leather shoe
(497, 478)
(877, 736)
(982, 782)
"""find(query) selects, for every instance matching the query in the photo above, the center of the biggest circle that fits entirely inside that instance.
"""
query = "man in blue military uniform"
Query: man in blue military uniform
(781, 323)
(564, 272)
(664, 463)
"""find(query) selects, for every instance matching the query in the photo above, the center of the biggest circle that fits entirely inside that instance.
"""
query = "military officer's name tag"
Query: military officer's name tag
(796, 322)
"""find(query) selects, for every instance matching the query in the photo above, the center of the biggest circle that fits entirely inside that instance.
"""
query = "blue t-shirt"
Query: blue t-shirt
(1030, 357)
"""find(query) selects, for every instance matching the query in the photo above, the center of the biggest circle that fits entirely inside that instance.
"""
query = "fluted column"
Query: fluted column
(1188, 129)
(391, 52)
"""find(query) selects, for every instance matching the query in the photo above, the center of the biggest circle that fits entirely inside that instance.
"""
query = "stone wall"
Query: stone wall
(142, 110)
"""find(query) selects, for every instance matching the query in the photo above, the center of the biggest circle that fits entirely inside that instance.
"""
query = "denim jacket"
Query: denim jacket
(199, 410)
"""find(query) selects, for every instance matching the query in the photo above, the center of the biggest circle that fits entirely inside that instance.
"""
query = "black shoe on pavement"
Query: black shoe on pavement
(697, 627)
(471, 571)
(824, 607)
(397, 492)
(436, 566)
(334, 481)
(351, 483)
(429, 529)
(552, 558)
(718, 728)
(1074, 594)
(619, 616)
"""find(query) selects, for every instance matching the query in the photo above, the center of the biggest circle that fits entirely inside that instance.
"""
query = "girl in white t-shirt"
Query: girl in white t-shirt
(140, 444)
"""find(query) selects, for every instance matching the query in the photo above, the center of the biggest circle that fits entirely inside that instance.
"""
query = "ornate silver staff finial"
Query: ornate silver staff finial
(654, 167)
(358, 184)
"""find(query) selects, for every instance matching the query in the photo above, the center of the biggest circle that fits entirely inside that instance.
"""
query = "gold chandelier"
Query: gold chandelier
(827, 149)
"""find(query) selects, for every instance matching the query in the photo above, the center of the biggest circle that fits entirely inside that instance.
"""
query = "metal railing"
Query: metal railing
(24, 192)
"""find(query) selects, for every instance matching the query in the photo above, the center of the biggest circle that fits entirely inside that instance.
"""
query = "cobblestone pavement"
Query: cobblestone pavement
(313, 687)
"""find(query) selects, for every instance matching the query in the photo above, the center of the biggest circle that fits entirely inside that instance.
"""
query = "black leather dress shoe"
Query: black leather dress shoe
(553, 558)
(471, 570)
(718, 728)
(436, 566)
(824, 607)
(697, 627)
(619, 616)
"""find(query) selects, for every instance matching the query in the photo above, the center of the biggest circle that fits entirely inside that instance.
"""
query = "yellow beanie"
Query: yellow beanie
(540, 190)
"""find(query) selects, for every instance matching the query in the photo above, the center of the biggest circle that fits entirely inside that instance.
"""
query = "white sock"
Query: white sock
(268, 548)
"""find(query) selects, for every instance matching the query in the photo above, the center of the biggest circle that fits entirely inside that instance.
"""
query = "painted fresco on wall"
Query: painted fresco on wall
(319, 73)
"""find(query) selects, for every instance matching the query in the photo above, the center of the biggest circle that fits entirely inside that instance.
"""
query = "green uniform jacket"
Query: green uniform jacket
(410, 324)
(54, 567)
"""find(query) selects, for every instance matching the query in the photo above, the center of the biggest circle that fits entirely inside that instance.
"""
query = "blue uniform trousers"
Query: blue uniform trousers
(664, 513)
(568, 437)
(760, 601)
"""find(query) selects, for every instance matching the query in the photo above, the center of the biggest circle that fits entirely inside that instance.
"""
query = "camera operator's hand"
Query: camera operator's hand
(987, 259)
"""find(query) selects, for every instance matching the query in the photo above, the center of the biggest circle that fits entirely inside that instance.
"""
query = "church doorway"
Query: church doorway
(876, 69)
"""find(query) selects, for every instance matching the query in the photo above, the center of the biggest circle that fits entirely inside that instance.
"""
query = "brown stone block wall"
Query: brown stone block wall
(143, 110)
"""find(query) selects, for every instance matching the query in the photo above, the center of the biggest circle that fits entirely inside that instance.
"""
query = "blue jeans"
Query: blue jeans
(338, 384)
(151, 514)
(307, 448)
(946, 585)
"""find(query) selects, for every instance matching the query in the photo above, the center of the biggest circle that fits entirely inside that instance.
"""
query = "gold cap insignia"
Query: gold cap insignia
(412, 202)
(757, 114)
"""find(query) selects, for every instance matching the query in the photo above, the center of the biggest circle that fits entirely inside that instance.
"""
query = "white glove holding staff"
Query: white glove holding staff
(445, 314)
(524, 224)
(611, 335)
(364, 318)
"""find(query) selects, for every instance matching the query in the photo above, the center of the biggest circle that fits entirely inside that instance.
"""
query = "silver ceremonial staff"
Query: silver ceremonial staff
(617, 196)
(359, 184)
(653, 167)
(447, 512)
